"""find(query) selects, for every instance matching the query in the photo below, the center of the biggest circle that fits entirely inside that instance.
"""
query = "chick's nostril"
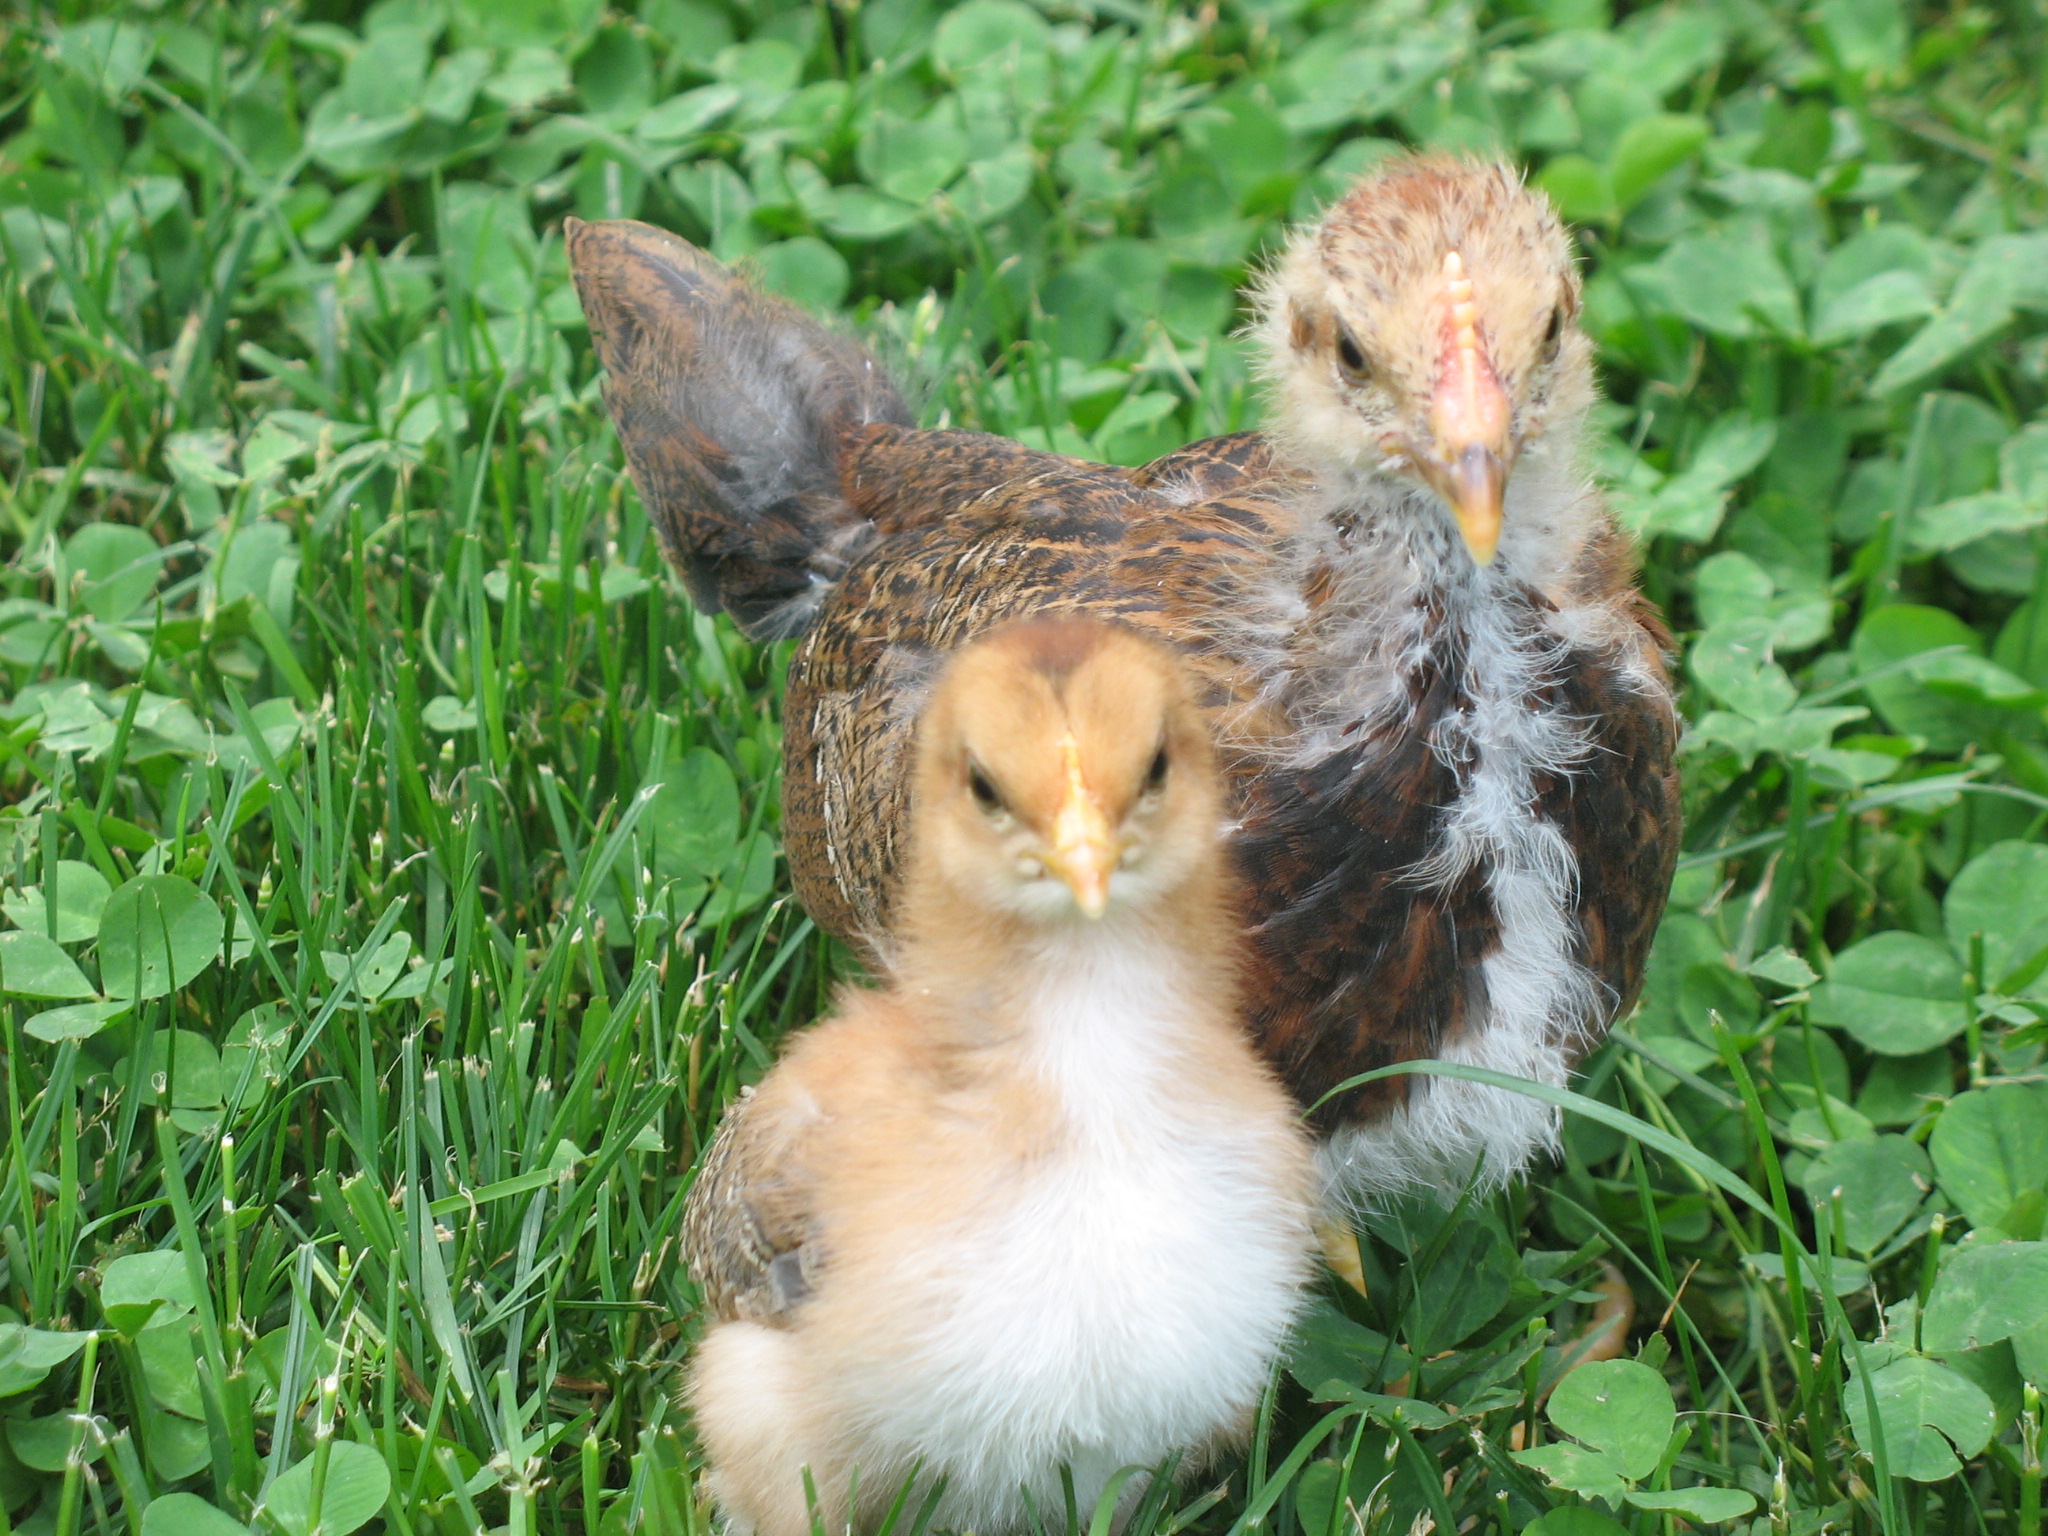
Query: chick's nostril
(1479, 464)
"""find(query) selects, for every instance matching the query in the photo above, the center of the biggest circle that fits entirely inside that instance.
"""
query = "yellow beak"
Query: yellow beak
(1084, 851)
(1474, 485)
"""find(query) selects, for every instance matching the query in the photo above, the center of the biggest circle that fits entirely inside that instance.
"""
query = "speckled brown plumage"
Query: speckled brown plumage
(1349, 651)
(1022, 533)
(747, 1227)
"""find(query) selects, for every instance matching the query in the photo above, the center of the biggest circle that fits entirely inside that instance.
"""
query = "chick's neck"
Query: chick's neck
(982, 978)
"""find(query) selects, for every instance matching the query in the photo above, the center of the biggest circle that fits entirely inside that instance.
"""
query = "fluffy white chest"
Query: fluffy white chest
(1125, 1294)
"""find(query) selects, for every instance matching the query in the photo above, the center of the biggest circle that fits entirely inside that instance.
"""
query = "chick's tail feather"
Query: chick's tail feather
(734, 408)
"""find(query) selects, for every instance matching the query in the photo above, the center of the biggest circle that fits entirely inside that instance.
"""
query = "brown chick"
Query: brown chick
(1453, 806)
(1036, 1201)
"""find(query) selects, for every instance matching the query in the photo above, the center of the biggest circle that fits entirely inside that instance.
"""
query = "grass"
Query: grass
(388, 851)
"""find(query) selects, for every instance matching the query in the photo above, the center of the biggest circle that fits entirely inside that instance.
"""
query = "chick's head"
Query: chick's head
(1064, 774)
(1427, 329)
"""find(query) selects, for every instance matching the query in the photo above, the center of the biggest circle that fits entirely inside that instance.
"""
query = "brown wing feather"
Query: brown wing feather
(1625, 816)
(1355, 966)
(1216, 466)
(748, 1236)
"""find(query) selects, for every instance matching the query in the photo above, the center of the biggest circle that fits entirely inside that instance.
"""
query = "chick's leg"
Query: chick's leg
(1339, 1242)
(760, 1428)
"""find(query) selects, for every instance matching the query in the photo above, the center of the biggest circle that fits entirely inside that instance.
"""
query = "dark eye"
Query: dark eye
(1351, 357)
(1555, 333)
(984, 792)
(1155, 776)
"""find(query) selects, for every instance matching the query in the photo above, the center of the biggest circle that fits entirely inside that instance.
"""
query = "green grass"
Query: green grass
(388, 852)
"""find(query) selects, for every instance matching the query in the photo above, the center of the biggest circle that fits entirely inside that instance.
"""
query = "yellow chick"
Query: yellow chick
(1036, 1202)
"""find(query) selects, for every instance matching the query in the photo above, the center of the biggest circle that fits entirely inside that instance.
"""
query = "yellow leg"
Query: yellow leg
(1340, 1251)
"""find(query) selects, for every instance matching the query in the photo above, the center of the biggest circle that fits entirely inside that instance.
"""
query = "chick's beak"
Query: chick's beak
(1084, 851)
(1474, 484)
(1471, 422)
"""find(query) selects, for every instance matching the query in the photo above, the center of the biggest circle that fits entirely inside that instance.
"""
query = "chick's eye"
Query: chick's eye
(1351, 357)
(1555, 333)
(1155, 776)
(984, 792)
